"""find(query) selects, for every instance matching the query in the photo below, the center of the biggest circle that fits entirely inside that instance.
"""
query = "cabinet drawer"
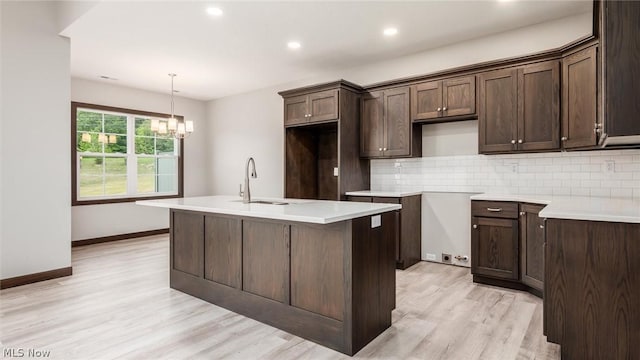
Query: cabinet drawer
(495, 209)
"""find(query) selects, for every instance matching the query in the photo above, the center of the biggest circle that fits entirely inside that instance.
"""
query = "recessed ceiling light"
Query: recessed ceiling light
(293, 45)
(390, 31)
(214, 11)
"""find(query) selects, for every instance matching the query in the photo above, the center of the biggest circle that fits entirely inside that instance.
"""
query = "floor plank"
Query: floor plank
(118, 305)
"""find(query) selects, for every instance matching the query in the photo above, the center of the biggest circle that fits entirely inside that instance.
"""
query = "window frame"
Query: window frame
(74, 156)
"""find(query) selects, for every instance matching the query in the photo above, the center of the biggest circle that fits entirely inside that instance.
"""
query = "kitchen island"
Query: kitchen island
(322, 270)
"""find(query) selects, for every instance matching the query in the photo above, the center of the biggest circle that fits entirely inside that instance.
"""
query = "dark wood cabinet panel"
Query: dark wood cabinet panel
(397, 122)
(459, 96)
(265, 259)
(592, 288)
(187, 240)
(531, 246)
(372, 125)
(494, 248)
(539, 106)
(426, 100)
(579, 113)
(223, 250)
(317, 254)
(295, 110)
(498, 112)
(323, 105)
(621, 62)
(497, 209)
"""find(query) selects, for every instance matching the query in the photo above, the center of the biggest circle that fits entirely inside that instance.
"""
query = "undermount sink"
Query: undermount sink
(267, 202)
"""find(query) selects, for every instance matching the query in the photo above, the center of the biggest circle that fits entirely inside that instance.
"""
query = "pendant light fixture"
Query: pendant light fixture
(179, 129)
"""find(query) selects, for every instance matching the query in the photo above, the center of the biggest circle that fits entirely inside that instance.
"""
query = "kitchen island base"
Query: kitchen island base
(333, 284)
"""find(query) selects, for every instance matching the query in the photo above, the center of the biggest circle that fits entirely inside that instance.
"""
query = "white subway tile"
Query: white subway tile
(600, 192)
(622, 193)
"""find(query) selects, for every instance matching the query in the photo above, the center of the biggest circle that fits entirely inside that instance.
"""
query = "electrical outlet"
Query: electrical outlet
(514, 168)
(446, 258)
(431, 257)
(609, 166)
(397, 164)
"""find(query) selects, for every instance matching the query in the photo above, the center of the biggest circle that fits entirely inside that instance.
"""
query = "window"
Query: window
(117, 158)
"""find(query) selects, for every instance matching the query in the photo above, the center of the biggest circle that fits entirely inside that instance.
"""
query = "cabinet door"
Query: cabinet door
(187, 239)
(397, 122)
(371, 125)
(621, 54)
(497, 118)
(539, 106)
(494, 247)
(579, 85)
(531, 246)
(296, 110)
(323, 106)
(426, 100)
(459, 96)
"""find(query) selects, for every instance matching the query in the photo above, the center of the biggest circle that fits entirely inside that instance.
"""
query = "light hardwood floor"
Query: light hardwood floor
(118, 305)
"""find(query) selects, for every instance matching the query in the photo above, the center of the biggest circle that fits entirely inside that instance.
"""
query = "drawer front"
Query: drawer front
(495, 209)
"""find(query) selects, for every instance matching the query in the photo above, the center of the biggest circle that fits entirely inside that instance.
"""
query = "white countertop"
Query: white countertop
(309, 211)
(576, 207)
(383, 193)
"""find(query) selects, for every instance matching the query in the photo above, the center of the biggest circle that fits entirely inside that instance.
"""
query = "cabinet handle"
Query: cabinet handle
(439, 109)
(522, 213)
(519, 141)
(475, 226)
(513, 141)
(444, 108)
(564, 138)
(494, 209)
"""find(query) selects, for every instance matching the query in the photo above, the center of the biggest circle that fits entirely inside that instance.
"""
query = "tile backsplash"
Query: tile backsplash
(603, 173)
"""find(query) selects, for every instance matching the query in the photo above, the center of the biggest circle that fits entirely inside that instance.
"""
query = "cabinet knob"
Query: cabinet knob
(541, 226)
(384, 149)
(564, 138)
(522, 213)
(513, 141)
(444, 108)
(379, 149)
(439, 109)
(475, 226)
(519, 141)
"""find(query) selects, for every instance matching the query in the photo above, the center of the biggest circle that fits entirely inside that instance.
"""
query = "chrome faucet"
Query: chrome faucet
(246, 194)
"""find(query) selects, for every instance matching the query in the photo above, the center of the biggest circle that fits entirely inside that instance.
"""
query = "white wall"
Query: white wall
(36, 211)
(244, 126)
(251, 124)
(91, 221)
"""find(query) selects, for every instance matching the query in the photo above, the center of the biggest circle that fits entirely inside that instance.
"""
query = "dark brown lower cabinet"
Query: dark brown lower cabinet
(333, 284)
(408, 233)
(592, 288)
(507, 241)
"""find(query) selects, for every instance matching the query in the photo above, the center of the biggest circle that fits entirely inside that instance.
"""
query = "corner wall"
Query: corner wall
(34, 142)
(88, 221)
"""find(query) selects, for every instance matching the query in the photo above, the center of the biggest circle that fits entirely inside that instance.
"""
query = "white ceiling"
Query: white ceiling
(140, 42)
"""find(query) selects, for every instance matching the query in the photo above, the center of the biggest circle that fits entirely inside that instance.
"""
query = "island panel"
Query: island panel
(188, 240)
(223, 250)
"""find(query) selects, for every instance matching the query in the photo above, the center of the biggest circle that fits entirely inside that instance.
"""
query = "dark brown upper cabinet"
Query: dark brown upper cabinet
(431, 101)
(498, 111)
(520, 109)
(322, 151)
(579, 85)
(539, 106)
(385, 126)
(311, 108)
(620, 39)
